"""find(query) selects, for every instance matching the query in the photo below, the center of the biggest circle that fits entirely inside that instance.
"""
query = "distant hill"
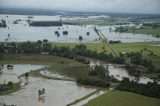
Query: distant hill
(21, 11)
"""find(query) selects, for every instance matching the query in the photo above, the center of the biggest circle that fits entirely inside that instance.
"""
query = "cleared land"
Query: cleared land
(119, 98)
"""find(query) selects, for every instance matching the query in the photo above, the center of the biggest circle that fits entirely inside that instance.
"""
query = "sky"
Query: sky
(122, 6)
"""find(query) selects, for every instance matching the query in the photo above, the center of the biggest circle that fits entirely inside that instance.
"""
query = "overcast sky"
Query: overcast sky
(126, 6)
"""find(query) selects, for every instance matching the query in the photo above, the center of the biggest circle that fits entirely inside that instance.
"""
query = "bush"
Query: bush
(10, 83)
(149, 89)
(98, 83)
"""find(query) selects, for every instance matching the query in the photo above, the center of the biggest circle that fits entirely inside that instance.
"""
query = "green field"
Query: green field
(120, 98)
(35, 59)
(71, 71)
(91, 46)
(148, 31)
(128, 47)
(15, 87)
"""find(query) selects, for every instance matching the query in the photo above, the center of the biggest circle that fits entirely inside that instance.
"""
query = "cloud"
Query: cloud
(129, 6)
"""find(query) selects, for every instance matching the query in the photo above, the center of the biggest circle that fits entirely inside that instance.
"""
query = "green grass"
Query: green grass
(128, 47)
(37, 74)
(35, 59)
(90, 46)
(15, 88)
(71, 71)
(120, 98)
(147, 31)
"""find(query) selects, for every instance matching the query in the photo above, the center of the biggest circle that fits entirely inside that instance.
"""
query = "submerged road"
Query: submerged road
(104, 39)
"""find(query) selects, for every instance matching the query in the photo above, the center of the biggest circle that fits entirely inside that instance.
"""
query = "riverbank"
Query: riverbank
(8, 89)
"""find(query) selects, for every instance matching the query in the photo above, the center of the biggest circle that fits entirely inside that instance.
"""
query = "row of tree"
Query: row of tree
(46, 23)
(94, 82)
(45, 46)
(149, 89)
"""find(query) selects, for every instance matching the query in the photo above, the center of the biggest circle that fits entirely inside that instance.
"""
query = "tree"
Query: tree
(88, 33)
(80, 38)
(45, 40)
(26, 75)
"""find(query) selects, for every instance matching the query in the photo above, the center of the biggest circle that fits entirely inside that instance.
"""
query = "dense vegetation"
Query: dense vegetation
(3, 23)
(46, 23)
(98, 83)
(137, 59)
(46, 47)
(149, 89)
(98, 76)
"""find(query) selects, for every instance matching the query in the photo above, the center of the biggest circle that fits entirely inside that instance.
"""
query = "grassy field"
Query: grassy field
(35, 59)
(128, 47)
(148, 31)
(92, 46)
(15, 88)
(120, 98)
(71, 71)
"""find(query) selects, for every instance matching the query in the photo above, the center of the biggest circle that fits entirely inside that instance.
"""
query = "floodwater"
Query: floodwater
(125, 37)
(119, 72)
(58, 93)
(18, 69)
(23, 32)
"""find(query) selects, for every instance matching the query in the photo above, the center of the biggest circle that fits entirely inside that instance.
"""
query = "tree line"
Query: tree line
(39, 47)
(150, 89)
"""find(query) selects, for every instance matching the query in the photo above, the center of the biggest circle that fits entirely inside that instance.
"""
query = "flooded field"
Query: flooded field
(119, 72)
(57, 92)
(126, 37)
(18, 69)
(21, 31)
